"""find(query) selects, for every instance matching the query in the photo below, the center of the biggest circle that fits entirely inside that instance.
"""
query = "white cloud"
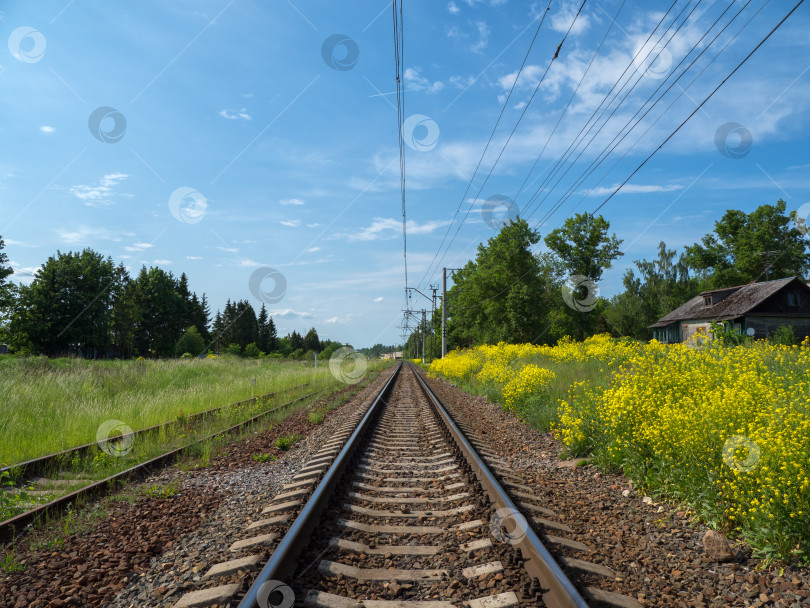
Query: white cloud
(452, 8)
(228, 249)
(248, 263)
(289, 313)
(193, 257)
(483, 37)
(380, 299)
(338, 319)
(313, 249)
(23, 274)
(291, 201)
(414, 81)
(236, 115)
(634, 189)
(98, 195)
(161, 261)
(138, 247)
(561, 20)
(17, 243)
(82, 235)
(291, 223)
(46, 129)
(382, 228)
(315, 225)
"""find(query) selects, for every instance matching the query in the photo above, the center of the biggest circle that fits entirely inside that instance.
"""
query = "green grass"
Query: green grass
(285, 442)
(49, 405)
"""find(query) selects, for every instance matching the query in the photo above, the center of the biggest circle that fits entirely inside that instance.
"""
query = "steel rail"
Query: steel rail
(560, 592)
(10, 528)
(39, 464)
(283, 560)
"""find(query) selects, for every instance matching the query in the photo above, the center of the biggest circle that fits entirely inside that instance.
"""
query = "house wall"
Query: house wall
(693, 326)
(777, 304)
(766, 325)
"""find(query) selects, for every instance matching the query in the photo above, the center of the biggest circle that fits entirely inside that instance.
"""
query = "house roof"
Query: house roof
(743, 299)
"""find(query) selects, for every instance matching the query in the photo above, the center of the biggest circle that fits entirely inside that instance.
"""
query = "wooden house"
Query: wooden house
(756, 309)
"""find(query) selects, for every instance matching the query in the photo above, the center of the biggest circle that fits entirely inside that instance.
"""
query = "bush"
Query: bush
(297, 354)
(252, 351)
(285, 442)
(783, 336)
(190, 342)
(186, 356)
(233, 349)
(315, 417)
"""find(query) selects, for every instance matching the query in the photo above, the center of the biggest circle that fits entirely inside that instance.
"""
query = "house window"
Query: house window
(793, 299)
(707, 300)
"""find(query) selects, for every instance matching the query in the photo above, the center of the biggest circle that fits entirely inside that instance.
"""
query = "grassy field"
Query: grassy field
(48, 405)
(725, 429)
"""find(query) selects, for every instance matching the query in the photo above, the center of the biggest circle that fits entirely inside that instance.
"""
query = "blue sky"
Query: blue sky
(233, 144)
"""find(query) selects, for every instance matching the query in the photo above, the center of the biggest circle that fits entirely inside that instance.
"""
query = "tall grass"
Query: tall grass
(48, 405)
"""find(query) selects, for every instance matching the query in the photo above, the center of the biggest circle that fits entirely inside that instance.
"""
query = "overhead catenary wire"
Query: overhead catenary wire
(511, 134)
(607, 150)
(669, 137)
(486, 147)
(572, 149)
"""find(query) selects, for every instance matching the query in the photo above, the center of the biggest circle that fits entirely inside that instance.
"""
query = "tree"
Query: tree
(583, 244)
(734, 253)
(190, 342)
(296, 341)
(160, 310)
(663, 285)
(311, 341)
(68, 305)
(502, 294)
(7, 292)
(585, 250)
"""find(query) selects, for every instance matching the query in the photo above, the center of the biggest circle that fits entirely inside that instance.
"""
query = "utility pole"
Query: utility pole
(424, 332)
(444, 312)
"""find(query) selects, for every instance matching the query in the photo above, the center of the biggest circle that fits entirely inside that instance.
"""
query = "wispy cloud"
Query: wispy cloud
(414, 81)
(83, 234)
(235, 115)
(483, 37)
(138, 247)
(388, 227)
(291, 223)
(94, 196)
(289, 313)
(452, 8)
(313, 249)
(291, 201)
(380, 299)
(634, 189)
(46, 129)
(161, 261)
(193, 257)
(561, 20)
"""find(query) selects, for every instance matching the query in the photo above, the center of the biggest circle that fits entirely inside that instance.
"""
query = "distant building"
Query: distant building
(756, 309)
(396, 355)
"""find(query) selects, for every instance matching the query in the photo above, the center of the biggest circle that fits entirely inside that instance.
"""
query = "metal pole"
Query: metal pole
(444, 312)
(424, 332)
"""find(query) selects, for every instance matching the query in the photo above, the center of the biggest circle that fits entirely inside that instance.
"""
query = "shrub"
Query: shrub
(285, 442)
(233, 349)
(783, 335)
(252, 351)
(190, 342)
(315, 417)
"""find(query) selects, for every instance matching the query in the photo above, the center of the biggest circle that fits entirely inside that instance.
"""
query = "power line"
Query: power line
(486, 147)
(511, 134)
(603, 155)
(399, 59)
(702, 103)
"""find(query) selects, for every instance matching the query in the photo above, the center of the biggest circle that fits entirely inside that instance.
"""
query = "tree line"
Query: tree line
(81, 303)
(510, 293)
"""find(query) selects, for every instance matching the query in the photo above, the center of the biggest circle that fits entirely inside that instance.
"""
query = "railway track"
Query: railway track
(72, 490)
(401, 510)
